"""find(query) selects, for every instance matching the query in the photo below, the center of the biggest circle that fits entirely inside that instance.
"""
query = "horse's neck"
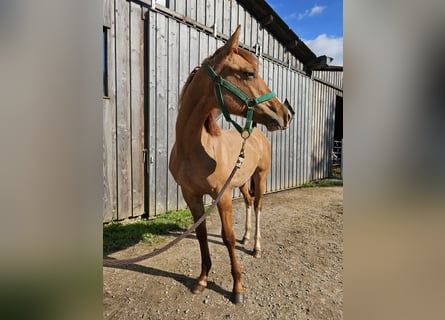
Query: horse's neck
(190, 131)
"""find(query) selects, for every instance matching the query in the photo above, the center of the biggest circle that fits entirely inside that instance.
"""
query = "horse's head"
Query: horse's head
(240, 68)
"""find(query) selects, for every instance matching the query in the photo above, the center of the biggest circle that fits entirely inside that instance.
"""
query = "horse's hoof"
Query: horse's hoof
(238, 297)
(245, 241)
(198, 289)
(257, 253)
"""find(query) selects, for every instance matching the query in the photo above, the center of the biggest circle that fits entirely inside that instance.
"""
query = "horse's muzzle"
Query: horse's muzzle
(291, 112)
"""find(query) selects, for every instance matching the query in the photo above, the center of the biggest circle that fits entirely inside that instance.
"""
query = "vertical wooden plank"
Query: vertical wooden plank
(226, 17)
(287, 150)
(191, 9)
(277, 135)
(172, 92)
(282, 135)
(294, 132)
(233, 16)
(275, 138)
(307, 131)
(161, 114)
(209, 13)
(322, 133)
(219, 14)
(180, 6)
(107, 12)
(184, 71)
(137, 108)
(201, 12)
(194, 49)
(247, 29)
(109, 125)
(254, 30)
(268, 79)
(271, 45)
(123, 109)
(304, 126)
(299, 106)
(242, 21)
(315, 130)
(299, 112)
(152, 43)
(265, 42)
(302, 139)
(203, 46)
(212, 45)
(279, 51)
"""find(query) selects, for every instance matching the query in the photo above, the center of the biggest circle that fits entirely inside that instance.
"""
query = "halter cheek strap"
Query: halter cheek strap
(248, 101)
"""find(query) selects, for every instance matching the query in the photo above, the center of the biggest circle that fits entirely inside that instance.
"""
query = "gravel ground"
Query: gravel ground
(299, 276)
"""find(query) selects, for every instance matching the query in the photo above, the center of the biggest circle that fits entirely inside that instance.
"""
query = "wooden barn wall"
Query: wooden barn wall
(335, 78)
(172, 49)
(326, 86)
(123, 111)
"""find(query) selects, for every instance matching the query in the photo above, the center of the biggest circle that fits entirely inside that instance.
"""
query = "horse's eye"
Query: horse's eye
(250, 75)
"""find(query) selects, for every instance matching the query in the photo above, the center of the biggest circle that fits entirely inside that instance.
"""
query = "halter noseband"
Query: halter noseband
(249, 102)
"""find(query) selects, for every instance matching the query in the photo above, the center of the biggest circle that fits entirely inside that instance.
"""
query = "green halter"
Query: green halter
(250, 102)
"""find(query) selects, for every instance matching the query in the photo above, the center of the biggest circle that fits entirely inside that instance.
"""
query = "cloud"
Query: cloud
(329, 46)
(316, 10)
(307, 13)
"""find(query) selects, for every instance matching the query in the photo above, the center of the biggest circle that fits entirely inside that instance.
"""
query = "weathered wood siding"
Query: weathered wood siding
(326, 86)
(123, 111)
(151, 53)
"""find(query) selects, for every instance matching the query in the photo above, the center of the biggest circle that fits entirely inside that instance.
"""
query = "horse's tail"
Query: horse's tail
(252, 188)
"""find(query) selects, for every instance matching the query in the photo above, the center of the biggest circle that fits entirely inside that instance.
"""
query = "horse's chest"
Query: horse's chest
(193, 174)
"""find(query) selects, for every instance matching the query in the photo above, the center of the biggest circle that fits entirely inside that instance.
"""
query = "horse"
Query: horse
(203, 154)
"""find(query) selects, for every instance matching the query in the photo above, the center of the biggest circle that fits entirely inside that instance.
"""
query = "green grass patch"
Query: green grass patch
(323, 183)
(118, 235)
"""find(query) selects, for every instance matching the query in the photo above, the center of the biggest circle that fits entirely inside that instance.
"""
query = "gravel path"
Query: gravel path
(299, 275)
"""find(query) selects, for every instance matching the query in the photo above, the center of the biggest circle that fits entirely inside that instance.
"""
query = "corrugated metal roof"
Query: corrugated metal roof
(271, 21)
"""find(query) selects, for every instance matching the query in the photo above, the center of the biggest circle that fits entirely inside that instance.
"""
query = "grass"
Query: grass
(118, 235)
(323, 183)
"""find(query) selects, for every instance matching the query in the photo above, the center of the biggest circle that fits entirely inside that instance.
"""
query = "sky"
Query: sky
(318, 23)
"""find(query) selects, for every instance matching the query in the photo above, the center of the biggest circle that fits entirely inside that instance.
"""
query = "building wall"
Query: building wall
(151, 53)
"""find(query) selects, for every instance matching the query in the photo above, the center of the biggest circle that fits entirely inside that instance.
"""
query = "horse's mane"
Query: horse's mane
(210, 123)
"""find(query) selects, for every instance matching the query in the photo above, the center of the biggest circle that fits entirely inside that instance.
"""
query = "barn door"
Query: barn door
(166, 68)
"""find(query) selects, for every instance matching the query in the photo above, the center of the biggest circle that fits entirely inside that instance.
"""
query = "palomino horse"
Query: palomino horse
(203, 155)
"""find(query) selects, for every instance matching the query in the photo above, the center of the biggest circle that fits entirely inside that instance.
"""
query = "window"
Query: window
(105, 60)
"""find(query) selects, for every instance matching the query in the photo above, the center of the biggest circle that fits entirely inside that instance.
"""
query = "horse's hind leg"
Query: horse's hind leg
(196, 205)
(225, 212)
(260, 188)
(248, 201)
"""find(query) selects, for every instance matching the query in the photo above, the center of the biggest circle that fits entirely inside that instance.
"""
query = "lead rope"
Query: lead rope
(112, 262)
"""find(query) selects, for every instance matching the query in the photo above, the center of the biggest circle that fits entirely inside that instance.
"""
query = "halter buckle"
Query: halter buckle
(218, 79)
(251, 102)
(245, 134)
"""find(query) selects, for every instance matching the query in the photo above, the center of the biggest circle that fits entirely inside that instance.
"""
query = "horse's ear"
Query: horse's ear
(232, 44)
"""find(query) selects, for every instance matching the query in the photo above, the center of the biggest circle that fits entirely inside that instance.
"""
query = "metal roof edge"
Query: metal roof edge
(271, 21)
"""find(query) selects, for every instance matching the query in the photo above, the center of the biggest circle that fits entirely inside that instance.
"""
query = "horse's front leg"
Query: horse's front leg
(248, 202)
(225, 212)
(196, 205)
